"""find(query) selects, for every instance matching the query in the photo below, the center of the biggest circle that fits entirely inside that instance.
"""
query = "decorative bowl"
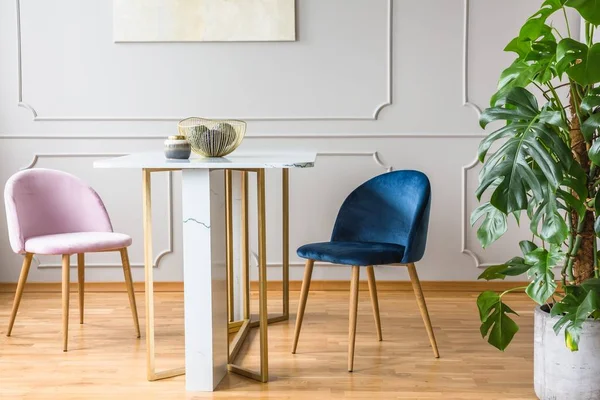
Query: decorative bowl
(212, 138)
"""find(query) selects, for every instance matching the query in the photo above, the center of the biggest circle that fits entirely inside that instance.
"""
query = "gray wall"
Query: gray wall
(370, 84)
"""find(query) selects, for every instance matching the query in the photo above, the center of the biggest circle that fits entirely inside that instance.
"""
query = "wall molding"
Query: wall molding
(464, 218)
(465, 93)
(374, 114)
(160, 256)
(425, 135)
(373, 154)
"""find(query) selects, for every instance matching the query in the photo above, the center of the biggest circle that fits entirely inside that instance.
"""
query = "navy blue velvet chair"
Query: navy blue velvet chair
(384, 221)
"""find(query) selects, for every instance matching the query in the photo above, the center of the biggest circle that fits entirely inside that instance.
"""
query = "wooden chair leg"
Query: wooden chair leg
(19, 293)
(352, 315)
(81, 283)
(302, 305)
(65, 298)
(416, 284)
(374, 300)
(130, 291)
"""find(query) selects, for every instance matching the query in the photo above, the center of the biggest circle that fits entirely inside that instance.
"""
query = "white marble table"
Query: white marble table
(205, 258)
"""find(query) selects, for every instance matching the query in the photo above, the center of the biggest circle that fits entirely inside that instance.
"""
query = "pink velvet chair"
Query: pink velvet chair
(55, 213)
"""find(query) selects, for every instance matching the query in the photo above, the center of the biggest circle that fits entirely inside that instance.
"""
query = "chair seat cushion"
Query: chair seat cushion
(353, 253)
(79, 242)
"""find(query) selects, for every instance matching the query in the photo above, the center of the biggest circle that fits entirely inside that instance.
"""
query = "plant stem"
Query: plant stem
(512, 290)
(567, 21)
(596, 269)
(558, 87)
(557, 32)
(589, 33)
(558, 102)
(576, 101)
(563, 271)
(575, 249)
(544, 92)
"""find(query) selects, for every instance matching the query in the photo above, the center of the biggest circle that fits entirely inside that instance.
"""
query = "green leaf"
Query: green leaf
(591, 284)
(579, 61)
(589, 9)
(513, 267)
(573, 202)
(543, 259)
(590, 102)
(576, 180)
(485, 302)
(527, 246)
(568, 52)
(493, 272)
(554, 228)
(543, 285)
(516, 266)
(597, 226)
(594, 152)
(589, 127)
(588, 306)
(495, 322)
(493, 226)
(529, 141)
(519, 74)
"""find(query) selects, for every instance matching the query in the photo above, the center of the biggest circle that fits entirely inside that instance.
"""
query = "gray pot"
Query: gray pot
(177, 148)
(560, 374)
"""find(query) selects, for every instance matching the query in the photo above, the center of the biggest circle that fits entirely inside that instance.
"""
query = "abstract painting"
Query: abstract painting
(204, 20)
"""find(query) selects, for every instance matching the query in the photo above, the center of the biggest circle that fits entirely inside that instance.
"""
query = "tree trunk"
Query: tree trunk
(583, 263)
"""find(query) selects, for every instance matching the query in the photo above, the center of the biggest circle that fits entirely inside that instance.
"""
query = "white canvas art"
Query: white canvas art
(204, 20)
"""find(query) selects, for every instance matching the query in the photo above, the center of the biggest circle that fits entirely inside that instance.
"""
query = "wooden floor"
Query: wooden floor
(106, 361)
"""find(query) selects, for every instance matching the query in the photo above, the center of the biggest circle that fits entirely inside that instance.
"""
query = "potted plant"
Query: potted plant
(543, 163)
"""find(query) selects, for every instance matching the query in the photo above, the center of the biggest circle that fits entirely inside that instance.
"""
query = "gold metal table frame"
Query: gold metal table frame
(242, 327)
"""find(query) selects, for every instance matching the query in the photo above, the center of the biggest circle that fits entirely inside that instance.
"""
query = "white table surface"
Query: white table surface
(234, 160)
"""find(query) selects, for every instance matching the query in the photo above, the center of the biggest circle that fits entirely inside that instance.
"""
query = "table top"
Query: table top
(157, 160)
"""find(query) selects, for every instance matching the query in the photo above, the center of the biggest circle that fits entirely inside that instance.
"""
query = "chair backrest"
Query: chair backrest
(389, 208)
(45, 202)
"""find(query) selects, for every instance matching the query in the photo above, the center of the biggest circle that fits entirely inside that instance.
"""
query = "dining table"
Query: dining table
(207, 224)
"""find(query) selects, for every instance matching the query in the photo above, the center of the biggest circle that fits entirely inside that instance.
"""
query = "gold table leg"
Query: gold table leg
(229, 241)
(285, 235)
(151, 372)
(263, 374)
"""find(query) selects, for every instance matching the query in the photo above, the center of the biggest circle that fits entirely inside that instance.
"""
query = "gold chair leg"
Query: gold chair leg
(302, 304)
(352, 315)
(374, 300)
(19, 293)
(81, 283)
(416, 284)
(65, 298)
(130, 291)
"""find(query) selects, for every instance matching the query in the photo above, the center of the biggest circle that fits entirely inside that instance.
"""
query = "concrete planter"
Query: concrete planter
(560, 374)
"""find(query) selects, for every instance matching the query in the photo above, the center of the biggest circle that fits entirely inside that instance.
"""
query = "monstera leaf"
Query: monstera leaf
(495, 322)
(579, 61)
(578, 304)
(531, 143)
(589, 9)
(493, 225)
(543, 285)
